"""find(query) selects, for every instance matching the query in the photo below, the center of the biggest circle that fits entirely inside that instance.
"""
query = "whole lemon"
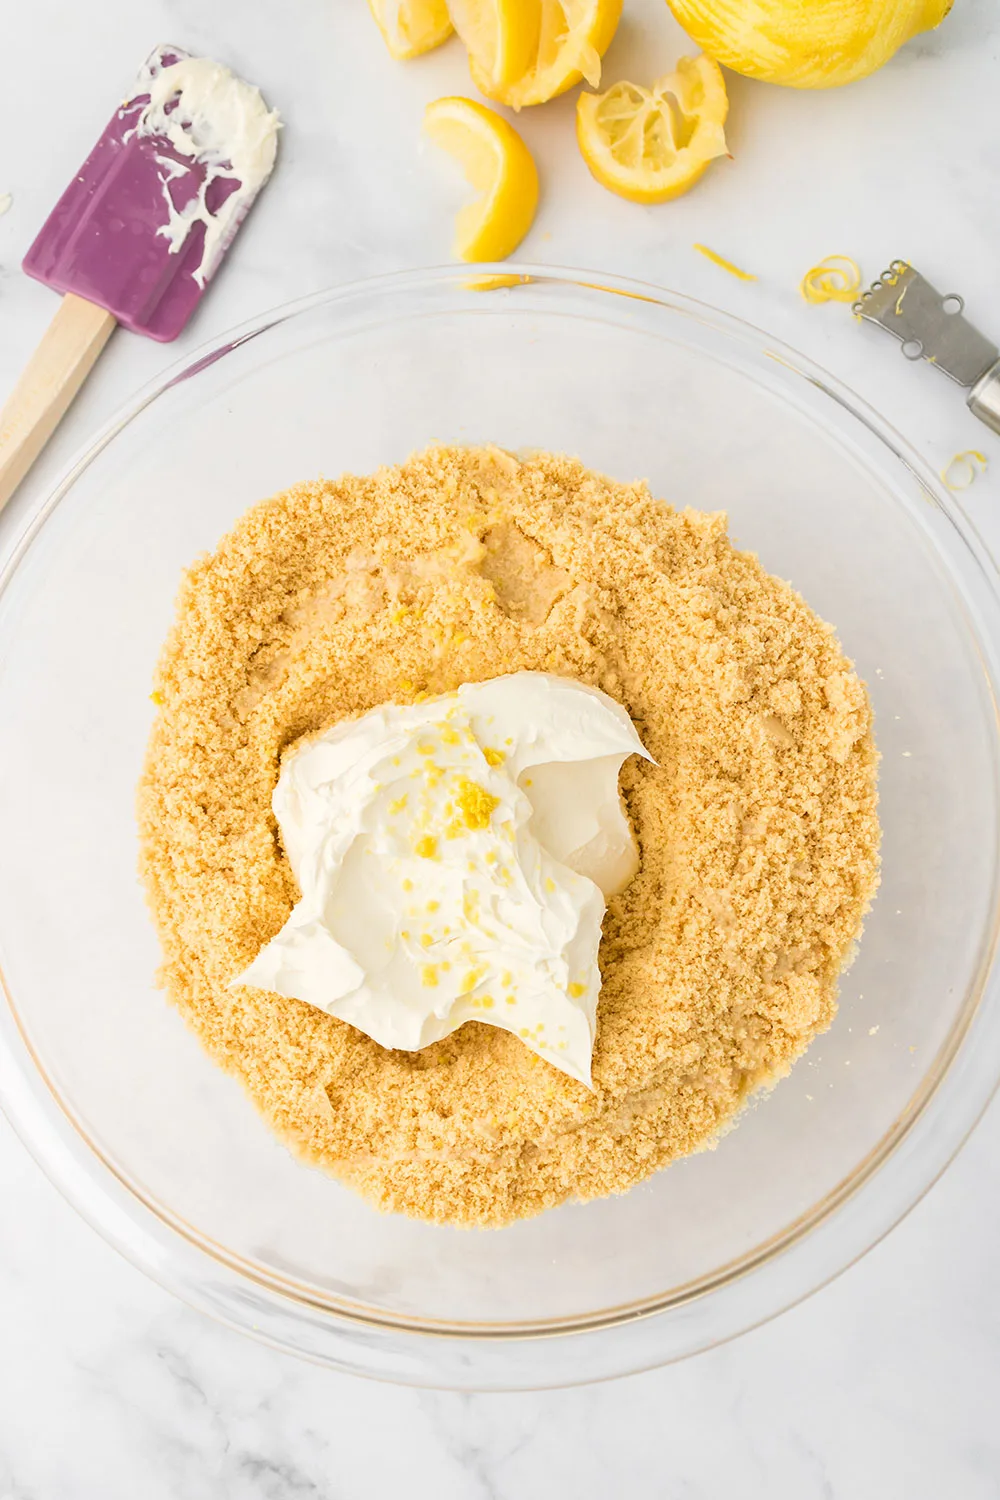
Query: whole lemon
(808, 44)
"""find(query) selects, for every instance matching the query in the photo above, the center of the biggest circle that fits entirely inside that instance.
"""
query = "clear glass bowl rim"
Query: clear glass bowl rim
(812, 1251)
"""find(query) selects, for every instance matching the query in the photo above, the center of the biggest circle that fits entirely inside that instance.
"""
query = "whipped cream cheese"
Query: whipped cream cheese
(205, 112)
(454, 858)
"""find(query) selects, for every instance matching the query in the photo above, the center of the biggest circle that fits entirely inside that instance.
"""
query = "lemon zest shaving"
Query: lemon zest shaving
(723, 263)
(837, 278)
(494, 283)
(475, 803)
(964, 469)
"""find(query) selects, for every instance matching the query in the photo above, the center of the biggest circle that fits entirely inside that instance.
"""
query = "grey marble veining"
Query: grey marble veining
(887, 1383)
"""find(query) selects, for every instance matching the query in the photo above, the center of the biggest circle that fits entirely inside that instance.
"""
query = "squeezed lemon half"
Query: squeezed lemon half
(524, 52)
(808, 44)
(411, 27)
(498, 165)
(650, 145)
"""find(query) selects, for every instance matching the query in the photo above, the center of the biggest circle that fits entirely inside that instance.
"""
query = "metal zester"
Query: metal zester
(931, 326)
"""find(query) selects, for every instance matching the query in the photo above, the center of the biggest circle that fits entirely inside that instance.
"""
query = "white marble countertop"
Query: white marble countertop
(885, 1384)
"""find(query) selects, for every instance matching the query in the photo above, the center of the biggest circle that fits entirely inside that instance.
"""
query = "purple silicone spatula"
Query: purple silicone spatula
(140, 231)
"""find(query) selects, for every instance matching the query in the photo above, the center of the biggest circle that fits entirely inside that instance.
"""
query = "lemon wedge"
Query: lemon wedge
(501, 38)
(411, 27)
(498, 165)
(808, 44)
(653, 144)
(527, 51)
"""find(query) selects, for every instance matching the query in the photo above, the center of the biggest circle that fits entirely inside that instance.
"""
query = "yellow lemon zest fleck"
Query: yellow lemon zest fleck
(837, 278)
(511, 999)
(493, 284)
(576, 990)
(476, 804)
(433, 905)
(550, 884)
(405, 685)
(426, 939)
(487, 1002)
(400, 614)
(470, 981)
(963, 469)
(427, 846)
(407, 884)
(493, 757)
(506, 977)
(491, 857)
(157, 698)
(398, 805)
(425, 747)
(429, 976)
(723, 263)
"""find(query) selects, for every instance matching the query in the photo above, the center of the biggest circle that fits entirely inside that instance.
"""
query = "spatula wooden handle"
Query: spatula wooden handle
(54, 374)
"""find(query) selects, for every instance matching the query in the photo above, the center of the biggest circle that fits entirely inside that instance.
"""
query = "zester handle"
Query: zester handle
(984, 398)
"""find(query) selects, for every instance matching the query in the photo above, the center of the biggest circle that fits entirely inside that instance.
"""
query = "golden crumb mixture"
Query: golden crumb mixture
(757, 826)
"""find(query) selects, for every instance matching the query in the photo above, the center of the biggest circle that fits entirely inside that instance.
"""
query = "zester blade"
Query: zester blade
(929, 325)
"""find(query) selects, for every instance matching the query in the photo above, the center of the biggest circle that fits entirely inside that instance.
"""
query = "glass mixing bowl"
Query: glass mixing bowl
(163, 1153)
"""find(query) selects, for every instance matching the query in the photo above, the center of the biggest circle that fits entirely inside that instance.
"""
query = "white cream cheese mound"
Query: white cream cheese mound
(454, 859)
